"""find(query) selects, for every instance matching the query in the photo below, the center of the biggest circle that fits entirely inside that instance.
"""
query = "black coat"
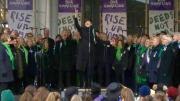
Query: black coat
(166, 66)
(6, 72)
(86, 48)
(51, 51)
(105, 52)
(130, 54)
(176, 72)
(65, 53)
(129, 64)
(32, 66)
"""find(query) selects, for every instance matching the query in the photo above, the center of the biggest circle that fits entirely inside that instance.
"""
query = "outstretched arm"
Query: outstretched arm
(76, 21)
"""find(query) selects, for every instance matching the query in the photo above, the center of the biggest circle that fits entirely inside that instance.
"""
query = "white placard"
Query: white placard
(66, 21)
(115, 24)
(161, 21)
(20, 20)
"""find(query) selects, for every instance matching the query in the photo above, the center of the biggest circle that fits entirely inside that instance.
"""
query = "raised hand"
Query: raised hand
(76, 13)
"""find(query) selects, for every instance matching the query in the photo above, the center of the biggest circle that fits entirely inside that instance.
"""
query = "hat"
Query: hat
(114, 87)
(70, 92)
(144, 91)
(95, 90)
(172, 92)
(7, 95)
(113, 91)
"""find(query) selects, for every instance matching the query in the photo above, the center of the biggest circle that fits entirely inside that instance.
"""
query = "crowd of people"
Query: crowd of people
(115, 92)
(87, 56)
(132, 61)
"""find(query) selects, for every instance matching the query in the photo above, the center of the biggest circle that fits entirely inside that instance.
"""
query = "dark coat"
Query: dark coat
(176, 72)
(86, 48)
(166, 66)
(130, 53)
(105, 52)
(129, 66)
(50, 51)
(105, 56)
(31, 67)
(20, 63)
(6, 72)
(66, 54)
(152, 66)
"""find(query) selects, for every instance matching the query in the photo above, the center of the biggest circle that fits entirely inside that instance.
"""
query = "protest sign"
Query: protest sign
(20, 15)
(114, 17)
(161, 16)
(66, 14)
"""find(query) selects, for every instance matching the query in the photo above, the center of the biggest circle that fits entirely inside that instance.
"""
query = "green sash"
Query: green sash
(119, 53)
(140, 78)
(26, 54)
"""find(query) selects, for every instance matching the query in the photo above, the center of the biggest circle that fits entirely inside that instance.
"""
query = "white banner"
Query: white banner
(20, 20)
(66, 21)
(161, 21)
(115, 24)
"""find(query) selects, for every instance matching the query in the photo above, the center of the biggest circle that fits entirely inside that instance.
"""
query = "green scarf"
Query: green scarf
(119, 53)
(9, 52)
(142, 50)
(26, 53)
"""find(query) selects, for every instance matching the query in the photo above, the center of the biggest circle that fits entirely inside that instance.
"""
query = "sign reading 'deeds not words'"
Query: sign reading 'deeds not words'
(66, 13)
(20, 15)
(114, 17)
(161, 16)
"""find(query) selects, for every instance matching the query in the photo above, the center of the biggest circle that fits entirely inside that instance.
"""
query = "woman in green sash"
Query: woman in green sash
(6, 63)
